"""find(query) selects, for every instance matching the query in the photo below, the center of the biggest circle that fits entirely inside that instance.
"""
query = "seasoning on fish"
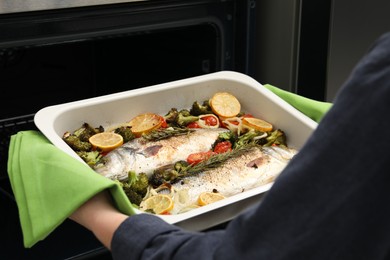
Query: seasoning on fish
(141, 155)
(254, 167)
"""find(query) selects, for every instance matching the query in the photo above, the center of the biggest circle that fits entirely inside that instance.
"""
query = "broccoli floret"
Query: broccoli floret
(228, 136)
(125, 132)
(86, 131)
(79, 139)
(171, 116)
(133, 196)
(276, 137)
(135, 187)
(169, 173)
(91, 158)
(201, 109)
(139, 183)
(76, 144)
(163, 174)
(184, 118)
(185, 112)
(181, 166)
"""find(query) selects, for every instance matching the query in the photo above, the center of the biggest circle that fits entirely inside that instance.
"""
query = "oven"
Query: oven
(53, 52)
(56, 54)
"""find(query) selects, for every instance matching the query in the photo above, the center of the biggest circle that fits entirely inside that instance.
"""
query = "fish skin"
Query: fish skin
(139, 155)
(253, 169)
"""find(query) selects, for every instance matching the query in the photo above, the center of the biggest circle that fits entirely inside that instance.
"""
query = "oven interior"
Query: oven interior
(41, 76)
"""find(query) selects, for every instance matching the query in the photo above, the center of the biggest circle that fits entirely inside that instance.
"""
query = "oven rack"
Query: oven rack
(9, 127)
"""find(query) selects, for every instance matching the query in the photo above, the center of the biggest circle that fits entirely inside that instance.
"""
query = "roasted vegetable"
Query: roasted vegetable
(125, 132)
(90, 157)
(135, 187)
(133, 196)
(76, 144)
(195, 158)
(78, 140)
(252, 136)
(201, 109)
(86, 131)
(164, 174)
(181, 166)
(169, 173)
(171, 116)
(222, 147)
(277, 137)
(184, 118)
(227, 136)
(139, 183)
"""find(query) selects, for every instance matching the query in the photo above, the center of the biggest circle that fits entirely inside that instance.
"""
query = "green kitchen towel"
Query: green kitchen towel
(311, 108)
(49, 185)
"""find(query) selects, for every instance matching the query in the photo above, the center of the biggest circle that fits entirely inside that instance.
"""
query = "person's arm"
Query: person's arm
(99, 216)
(330, 202)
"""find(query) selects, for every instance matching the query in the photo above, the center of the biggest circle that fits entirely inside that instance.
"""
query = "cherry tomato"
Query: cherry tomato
(196, 158)
(234, 122)
(210, 120)
(223, 125)
(193, 125)
(164, 123)
(231, 121)
(246, 115)
(223, 147)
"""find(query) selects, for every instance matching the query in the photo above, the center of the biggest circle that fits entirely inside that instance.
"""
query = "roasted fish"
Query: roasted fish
(141, 155)
(256, 167)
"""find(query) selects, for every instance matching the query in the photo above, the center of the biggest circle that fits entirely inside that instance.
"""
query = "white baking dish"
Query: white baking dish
(113, 109)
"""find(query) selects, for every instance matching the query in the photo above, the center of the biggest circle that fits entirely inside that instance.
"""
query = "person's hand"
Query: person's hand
(99, 216)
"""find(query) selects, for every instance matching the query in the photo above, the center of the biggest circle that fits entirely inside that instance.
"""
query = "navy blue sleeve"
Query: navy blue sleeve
(146, 236)
(331, 202)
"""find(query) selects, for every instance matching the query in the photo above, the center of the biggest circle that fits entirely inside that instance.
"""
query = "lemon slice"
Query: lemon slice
(145, 123)
(257, 124)
(159, 204)
(106, 141)
(225, 104)
(206, 198)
